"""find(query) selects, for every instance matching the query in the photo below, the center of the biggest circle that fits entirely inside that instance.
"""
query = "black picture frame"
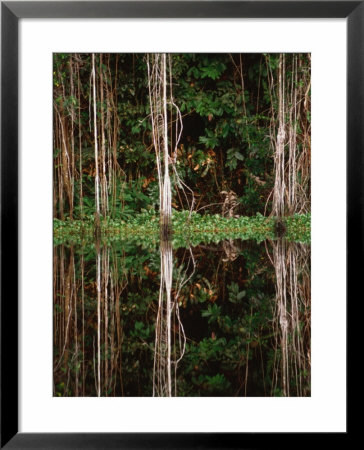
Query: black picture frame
(11, 12)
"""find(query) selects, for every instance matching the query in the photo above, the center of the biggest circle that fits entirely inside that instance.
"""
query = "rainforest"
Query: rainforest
(181, 225)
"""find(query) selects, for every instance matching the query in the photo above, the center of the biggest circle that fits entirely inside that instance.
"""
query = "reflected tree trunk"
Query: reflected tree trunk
(162, 378)
(169, 350)
(98, 287)
(292, 317)
(87, 315)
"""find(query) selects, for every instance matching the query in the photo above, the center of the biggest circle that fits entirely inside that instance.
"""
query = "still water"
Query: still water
(217, 319)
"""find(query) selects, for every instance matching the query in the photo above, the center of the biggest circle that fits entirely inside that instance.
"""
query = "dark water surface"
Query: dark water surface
(225, 319)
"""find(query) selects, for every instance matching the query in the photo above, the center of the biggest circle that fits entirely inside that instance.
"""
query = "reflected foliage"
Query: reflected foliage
(237, 342)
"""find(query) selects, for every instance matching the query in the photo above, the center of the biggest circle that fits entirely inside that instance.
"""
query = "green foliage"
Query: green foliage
(212, 312)
(187, 229)
(232, 158)
(225, 143)
(235, 294)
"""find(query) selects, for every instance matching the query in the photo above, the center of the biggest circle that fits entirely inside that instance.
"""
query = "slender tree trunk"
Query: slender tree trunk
(104, 199)
(80, 138)
(97, 178)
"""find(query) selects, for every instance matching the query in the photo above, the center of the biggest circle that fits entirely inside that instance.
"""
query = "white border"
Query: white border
(326, 409)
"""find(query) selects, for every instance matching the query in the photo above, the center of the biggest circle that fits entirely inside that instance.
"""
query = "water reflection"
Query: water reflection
(225, 319)
(292, 317)
(162, 372)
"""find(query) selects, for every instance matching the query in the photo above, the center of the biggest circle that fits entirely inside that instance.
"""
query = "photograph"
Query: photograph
(181, 225)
